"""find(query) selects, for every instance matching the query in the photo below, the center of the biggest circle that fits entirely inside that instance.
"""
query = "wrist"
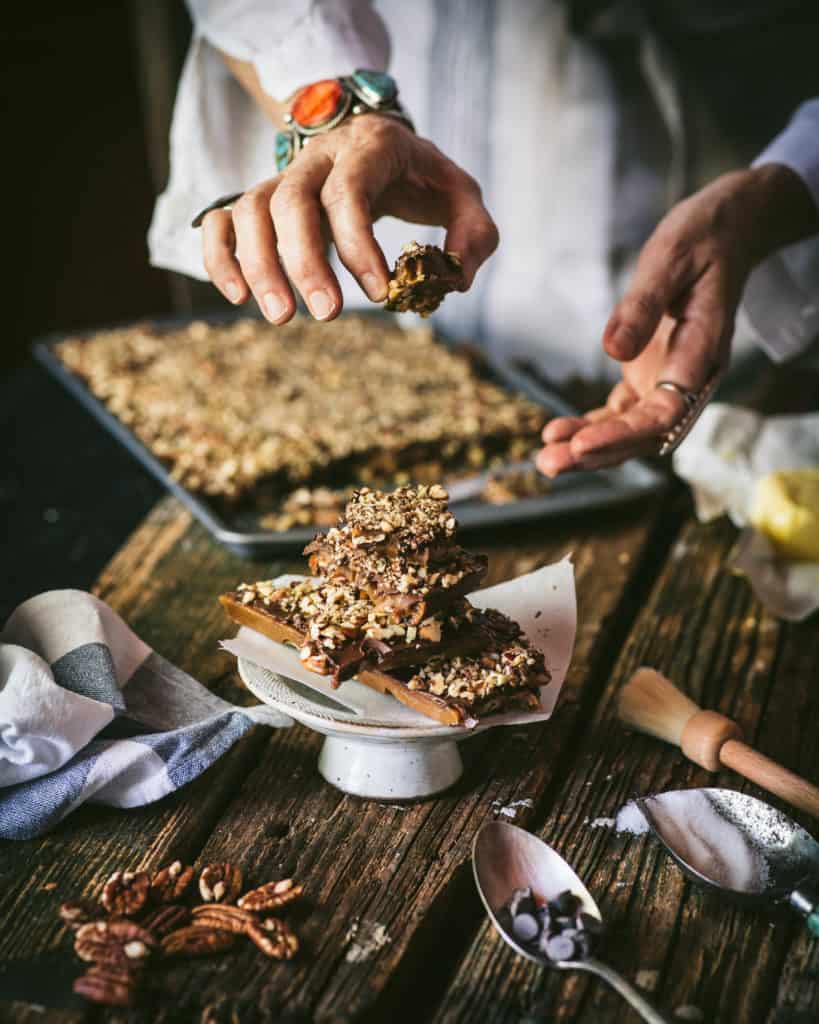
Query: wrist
(324, 106)
(782, 208)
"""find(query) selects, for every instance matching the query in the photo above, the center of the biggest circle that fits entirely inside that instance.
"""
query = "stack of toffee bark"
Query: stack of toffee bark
(390, 608)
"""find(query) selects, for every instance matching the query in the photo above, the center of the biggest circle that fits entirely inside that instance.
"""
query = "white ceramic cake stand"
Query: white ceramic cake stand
(374, 746)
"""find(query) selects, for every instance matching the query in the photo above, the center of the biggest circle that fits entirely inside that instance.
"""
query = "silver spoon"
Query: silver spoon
(505, 858)
(739, 846)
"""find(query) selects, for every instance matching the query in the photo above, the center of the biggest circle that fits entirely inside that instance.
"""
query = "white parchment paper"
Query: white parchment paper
(728, 450)
(543, 602)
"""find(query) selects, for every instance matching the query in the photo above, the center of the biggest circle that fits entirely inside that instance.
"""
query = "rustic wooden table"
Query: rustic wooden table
(652, 589)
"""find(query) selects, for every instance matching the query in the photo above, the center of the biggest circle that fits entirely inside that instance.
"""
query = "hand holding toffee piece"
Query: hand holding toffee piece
(422, 276)
(390, 608)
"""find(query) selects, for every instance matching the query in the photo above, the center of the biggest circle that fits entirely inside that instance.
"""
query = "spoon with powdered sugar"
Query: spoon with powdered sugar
(739, 846)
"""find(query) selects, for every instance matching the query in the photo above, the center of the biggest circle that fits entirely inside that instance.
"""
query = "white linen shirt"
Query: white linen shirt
(523, 105)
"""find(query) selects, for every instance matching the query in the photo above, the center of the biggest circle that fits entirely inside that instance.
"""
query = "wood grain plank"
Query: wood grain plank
(703, 627)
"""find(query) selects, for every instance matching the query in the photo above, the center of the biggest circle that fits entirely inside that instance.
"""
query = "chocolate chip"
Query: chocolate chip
(519, 897)
(565, 904)
(560, 947)
(525, 927)
(590, 923)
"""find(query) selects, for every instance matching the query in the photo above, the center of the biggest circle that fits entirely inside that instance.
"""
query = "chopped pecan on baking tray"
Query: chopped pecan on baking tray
(271, 896)
(107, 985)
(220, 883)
(170, 884)
(422, 276)
(223, 917)
(197, 941)
(114, 942)
(76, 913)
(274, 938)
(126, 892)
(166, 918)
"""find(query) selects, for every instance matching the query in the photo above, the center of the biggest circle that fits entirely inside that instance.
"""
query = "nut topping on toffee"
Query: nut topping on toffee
(390, 607)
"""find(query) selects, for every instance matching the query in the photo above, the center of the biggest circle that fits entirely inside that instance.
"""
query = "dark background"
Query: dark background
(88, 89)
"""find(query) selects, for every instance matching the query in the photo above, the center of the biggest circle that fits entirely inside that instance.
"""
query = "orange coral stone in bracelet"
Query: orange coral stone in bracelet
(316, 103)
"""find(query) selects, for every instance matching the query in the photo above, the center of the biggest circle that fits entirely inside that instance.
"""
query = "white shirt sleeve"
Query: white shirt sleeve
(781, 299)
(220, 141)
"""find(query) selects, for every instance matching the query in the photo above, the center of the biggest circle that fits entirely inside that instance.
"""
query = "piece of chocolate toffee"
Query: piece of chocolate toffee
(390, 609)
(422, 276)
(398, 549)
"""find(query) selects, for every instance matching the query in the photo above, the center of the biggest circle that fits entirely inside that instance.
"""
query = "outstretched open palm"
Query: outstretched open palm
(676, 321)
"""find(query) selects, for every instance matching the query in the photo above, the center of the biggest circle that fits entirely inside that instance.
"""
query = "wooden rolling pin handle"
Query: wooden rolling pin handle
(771, 776)
(703, 738)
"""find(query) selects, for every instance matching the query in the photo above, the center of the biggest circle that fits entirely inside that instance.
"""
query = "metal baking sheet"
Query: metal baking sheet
(573, 493)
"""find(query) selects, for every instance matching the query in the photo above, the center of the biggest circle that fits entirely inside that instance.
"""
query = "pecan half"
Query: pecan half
(107, 985)
(126, 892)
(167, 918)
(196, 941)
(220, 883)
(78, 912)
(271, 896)
(223, 917)
(113, 942)
(274, 938)
(171, 883)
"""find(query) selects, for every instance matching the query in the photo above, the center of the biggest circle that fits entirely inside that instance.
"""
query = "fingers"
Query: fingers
(218, 248)
(562, 428)
(347, 204)
(666, 265)
(471, 232)
(699, 344)
(297, 216)
(643, 424)
(555, 459)
(258, 258)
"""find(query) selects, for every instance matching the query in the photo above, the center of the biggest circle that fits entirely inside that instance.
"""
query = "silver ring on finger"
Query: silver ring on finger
(695, 402)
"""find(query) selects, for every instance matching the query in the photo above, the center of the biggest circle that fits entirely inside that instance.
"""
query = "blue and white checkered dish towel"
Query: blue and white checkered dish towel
(89, 712)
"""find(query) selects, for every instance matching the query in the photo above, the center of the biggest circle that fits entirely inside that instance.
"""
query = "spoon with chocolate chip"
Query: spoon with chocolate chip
(541, 909)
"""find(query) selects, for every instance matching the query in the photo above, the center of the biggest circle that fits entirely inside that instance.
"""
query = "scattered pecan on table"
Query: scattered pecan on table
(76, 913)
(220, 883)
(108, 985)
(126, 892)
(274, 938)
(166, 918)
(271, 896)
(141, 918)
(113, 942)
(171, 883)
(195, 940)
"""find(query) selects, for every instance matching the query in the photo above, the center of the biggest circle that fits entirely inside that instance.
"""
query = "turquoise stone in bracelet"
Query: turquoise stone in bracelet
(284, 149)
(374, 87)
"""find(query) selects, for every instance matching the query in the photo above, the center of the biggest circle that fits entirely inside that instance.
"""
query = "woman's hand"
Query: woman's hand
(676, 321)
(339, 185)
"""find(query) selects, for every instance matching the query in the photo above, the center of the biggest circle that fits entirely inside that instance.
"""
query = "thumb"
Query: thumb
(663, 270)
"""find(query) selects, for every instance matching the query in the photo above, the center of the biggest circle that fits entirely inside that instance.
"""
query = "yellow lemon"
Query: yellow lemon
(785, 507)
